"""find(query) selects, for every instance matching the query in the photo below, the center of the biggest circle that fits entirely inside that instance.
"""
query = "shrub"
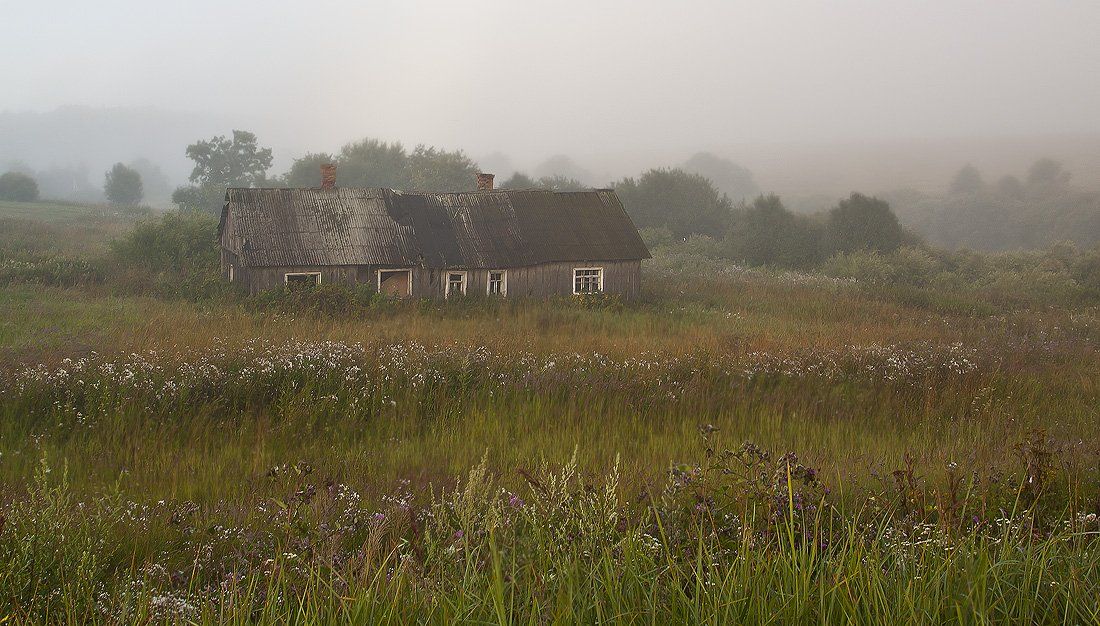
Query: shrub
(1059, 275)
(59, 271)
(863, 223)
(766, 233)
(18, 187)
(1086, 270)
(178, 241)
(332, 300)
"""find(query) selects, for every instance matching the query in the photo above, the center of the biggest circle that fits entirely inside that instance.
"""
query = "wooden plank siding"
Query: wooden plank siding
(621, 278)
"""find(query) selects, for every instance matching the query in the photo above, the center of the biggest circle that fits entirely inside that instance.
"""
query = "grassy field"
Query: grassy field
(748, 446)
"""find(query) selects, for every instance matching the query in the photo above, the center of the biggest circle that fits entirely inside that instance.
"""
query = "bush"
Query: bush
(1058, 275)
(179, 241)
(59, 271)
(330, 300)
(18, 187)
(767, 233)
(863, 223)
(1086, 271)
(174, 256)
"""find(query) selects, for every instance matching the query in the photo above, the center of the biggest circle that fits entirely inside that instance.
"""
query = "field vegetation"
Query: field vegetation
(907, 436)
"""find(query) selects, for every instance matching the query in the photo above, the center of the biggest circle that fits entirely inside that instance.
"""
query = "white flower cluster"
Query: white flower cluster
(349, 372)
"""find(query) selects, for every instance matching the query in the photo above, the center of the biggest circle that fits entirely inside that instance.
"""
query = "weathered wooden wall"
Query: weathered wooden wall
(549, 279)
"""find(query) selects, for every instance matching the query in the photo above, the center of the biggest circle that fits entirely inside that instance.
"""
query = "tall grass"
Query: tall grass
(334, 457)
(315, 482)
(756, 540)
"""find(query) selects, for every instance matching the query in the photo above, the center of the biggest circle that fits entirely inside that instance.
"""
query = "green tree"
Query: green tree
(685, 203)
(373, 163)
(222, 162)
(968, 180)
(18, 187)
(306, 171)
(561, 183)
(1047, 174)
(519, 180)
(433, 169)
(122, 185)
(862, 223)
(730, 178)
(767, 233)
(196, 198)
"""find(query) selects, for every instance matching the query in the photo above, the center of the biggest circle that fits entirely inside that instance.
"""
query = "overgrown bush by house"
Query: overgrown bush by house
(178, 241)
(1060, 274)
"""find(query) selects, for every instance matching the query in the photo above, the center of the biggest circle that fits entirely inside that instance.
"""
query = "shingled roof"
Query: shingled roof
(376, 226)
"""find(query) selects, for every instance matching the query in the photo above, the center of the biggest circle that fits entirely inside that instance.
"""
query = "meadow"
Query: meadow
(740, 446)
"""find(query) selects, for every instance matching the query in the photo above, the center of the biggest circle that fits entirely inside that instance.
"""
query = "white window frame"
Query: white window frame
(231, 273)
(503, 282)
(447, 281)
(394, 270)
(579, 269)
(287, 275)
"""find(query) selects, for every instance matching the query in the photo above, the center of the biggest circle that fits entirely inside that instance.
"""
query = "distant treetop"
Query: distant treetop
(18, 187)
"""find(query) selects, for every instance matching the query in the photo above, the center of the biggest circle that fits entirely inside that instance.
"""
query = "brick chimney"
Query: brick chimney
(328, 176)
(484, 181)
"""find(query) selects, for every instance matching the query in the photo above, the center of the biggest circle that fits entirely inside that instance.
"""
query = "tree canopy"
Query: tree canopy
(685, 203)
(122, 185)
(306, 171)
(767, 233)
(18, 187)
(225, 162)
(519, 180)
(730, 178)
(222, 162)
(862, 223)
(432, 169)
(1041, 209)
(966, 180)
(373, 163)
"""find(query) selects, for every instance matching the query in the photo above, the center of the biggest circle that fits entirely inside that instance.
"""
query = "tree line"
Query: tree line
(131, 183)
(705, 196)
(666, 203)
(1036, 210)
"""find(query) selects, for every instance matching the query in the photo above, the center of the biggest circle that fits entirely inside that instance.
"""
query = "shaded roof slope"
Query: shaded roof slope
(373, 226)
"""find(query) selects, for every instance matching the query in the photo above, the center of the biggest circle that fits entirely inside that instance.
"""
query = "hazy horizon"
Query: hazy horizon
(811, 98)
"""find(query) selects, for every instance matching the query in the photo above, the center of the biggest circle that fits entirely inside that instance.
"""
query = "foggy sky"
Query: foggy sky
(630, 80)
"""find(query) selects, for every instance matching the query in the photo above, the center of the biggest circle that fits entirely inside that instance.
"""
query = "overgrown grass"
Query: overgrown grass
(331, 456)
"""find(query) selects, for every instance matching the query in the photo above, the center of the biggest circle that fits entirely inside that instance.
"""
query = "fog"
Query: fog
(812, 97)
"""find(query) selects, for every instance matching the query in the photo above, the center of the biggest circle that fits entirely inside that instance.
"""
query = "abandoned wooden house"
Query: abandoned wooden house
(494, 242)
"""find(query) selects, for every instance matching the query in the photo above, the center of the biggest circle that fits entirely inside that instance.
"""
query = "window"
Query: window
(498, 283)
(456, 284)
(395, 282)
(298, 279)
(588, 280)
(230, 272)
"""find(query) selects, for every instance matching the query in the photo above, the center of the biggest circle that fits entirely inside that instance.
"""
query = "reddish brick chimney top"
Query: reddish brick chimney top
(484, 181)
(328, 176)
